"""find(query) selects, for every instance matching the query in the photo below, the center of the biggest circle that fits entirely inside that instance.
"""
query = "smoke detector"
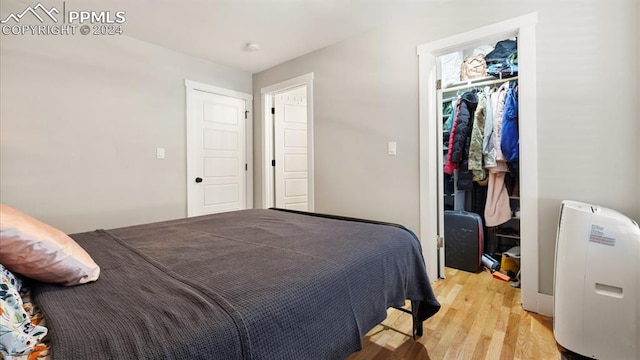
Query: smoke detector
(252, 46)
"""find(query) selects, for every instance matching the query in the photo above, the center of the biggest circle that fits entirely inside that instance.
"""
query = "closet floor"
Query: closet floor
(480, 318)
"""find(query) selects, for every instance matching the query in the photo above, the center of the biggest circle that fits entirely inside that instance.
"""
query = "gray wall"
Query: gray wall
(366, 93)
(81, 118)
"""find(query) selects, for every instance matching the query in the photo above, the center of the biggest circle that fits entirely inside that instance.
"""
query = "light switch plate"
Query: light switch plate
(392, 148)
(160, 153)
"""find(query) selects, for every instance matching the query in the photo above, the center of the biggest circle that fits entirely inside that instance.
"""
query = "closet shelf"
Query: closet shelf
(477, 82)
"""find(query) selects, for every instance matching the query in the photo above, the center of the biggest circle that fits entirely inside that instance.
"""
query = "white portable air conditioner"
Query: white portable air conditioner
(597, 283)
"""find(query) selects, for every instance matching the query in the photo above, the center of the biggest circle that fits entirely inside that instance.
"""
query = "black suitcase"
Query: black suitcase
(463, 239)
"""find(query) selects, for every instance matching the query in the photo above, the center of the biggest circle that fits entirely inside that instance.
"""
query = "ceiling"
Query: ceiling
(218, 30)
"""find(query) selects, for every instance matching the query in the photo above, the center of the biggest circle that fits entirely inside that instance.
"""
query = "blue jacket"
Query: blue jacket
(510, 141)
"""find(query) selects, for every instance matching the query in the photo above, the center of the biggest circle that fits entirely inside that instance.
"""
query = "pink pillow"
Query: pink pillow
(42, 252)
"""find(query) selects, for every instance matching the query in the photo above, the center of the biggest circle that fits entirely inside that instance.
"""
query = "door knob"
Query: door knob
(198, 179)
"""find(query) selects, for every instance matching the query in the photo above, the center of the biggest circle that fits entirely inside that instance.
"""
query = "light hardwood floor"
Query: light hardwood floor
(480, 318)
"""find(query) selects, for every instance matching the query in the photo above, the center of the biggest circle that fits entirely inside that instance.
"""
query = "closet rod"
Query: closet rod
(470, 85)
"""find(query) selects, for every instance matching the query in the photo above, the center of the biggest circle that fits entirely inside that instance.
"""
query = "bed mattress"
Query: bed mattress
(250, 284)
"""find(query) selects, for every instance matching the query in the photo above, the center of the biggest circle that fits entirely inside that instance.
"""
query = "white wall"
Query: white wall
(366, 93)
(81, 118)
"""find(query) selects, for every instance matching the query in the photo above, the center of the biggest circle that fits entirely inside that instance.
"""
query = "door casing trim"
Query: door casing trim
(524, 28)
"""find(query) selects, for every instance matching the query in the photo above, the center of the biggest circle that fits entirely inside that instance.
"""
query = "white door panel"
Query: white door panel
(297, 206)
(295, 187)
(217, 154)
(295, 163)
(221, 195)
(215, 139)
(221, 167)
(294, 139)
(290, 140)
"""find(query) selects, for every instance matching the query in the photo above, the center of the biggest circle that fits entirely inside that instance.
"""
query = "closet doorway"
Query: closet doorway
(431, 150)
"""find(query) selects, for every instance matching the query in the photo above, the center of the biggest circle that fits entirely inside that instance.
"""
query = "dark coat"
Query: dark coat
(462, 139)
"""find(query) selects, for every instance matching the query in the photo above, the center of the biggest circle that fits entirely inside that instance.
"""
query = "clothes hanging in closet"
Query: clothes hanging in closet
(449, 166)
(449, 123)
(498, 208)
(483, 145)
(460, 140)
(497, 104)
(476, 164)
(487, 142)
(510, 139)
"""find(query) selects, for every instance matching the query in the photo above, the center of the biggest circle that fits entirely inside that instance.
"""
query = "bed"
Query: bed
(250, 284)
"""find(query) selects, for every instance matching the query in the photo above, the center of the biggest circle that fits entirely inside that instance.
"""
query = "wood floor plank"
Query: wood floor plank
(497, 340)
(511, 337)
(475, 332)
(481, 318)
(482, 347)
(524, 334)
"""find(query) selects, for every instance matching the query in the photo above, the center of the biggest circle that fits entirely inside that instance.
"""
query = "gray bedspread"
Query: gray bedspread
(251, 284)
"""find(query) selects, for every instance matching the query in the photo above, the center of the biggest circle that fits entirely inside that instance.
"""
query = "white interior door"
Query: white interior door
(217, 155)
(268, 177)
(290, 148)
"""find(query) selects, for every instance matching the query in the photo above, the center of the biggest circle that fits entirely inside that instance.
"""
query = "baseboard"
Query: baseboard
(545, 305)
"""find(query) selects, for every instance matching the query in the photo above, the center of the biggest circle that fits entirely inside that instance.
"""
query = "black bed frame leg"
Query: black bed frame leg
(417, 324)
(418, 328)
